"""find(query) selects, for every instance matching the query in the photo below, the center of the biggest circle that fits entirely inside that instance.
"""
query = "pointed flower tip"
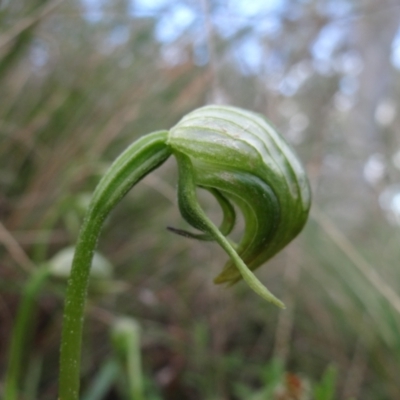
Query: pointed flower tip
(280, 304)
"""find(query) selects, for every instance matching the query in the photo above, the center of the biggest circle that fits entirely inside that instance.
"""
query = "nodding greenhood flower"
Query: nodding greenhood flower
(239, 158)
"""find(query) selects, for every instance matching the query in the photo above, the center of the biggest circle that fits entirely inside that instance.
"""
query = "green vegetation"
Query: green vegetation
(80, 83)
(235, 155)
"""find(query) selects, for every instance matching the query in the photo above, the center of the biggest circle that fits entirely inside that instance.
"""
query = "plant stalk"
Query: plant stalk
(132, 165)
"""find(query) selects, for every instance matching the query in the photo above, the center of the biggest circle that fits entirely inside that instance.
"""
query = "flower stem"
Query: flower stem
(132, 165)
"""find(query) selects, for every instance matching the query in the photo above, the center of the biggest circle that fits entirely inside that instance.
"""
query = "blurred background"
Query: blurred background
(80, 80)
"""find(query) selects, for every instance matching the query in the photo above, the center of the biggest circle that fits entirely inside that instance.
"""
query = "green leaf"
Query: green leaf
(325, 390)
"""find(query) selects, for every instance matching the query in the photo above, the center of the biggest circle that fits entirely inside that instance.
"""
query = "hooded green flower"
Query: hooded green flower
(240, 156)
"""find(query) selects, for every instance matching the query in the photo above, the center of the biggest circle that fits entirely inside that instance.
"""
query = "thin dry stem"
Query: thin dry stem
(15, 250)
(367, 270)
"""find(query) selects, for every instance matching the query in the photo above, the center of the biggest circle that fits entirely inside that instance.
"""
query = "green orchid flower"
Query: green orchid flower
(239, 158)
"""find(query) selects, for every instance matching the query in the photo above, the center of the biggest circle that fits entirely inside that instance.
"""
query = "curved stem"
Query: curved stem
(132, 165)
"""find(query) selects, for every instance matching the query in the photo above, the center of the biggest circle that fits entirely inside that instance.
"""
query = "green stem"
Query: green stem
(126, 341)
(106, 377)
(134, 367)
(21, 327)
(139, 159)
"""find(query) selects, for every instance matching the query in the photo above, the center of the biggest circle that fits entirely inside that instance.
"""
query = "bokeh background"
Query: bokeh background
(81, 79)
